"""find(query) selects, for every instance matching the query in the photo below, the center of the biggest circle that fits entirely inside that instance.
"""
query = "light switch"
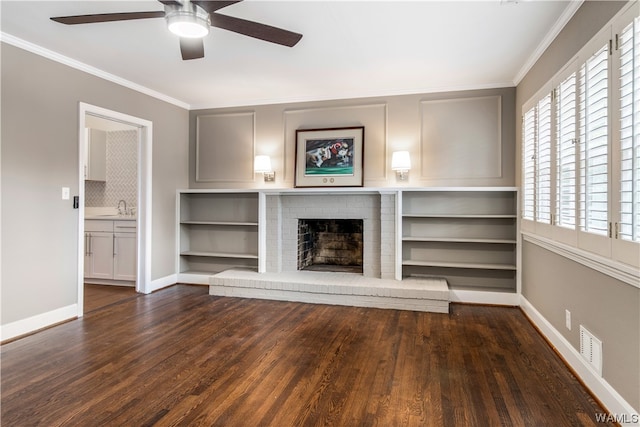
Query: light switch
(65, 193)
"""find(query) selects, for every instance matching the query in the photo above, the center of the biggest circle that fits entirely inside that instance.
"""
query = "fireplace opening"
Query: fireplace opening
(330, 245)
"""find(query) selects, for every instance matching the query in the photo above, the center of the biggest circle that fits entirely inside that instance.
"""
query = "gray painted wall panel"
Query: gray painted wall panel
(40, 104)
(391, 123)
(224, 148)
(471, 150)
(610, 309)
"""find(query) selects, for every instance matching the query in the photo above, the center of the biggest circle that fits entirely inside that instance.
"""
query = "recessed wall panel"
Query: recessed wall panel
(225, 146)
(461, 138)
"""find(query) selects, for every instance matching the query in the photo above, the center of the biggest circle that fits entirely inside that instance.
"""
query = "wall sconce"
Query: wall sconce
(401, 163)
(262, 164)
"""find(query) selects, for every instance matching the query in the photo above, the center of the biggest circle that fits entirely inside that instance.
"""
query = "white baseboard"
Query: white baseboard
(34, 323)
(604, 392)
(484, 297)
(163, 282)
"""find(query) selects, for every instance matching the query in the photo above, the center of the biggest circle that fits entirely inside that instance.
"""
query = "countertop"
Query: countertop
(111, 217)
(106, 214)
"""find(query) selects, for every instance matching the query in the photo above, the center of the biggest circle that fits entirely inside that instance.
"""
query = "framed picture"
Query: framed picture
(329, 157)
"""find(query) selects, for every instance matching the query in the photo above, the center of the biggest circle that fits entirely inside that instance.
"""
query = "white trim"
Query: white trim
(55, 56)
(162, 282)
(39, 321)
(262, 232)
(613, 402)
(145, 135)
(570, 10)
(342, 95)
(484, 297)
(617, 270)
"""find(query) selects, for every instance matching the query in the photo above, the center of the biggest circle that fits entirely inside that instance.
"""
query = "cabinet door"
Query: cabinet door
(87, 255)
(100, 258)
(95, 168)
(124, 261)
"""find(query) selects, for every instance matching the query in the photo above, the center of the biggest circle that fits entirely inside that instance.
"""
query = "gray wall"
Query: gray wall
(472, 142)
(607, 307)
(40, 155)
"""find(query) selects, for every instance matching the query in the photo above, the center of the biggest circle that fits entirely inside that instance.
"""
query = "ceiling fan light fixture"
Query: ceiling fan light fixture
(190, 24)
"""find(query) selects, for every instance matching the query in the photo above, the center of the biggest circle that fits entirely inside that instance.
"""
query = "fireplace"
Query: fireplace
(375, 210)
(330, 245)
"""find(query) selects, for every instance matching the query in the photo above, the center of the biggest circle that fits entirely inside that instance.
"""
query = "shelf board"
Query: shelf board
(218, 254)
(457, 240)
(477, 266)
(230, 223)
(467, 216)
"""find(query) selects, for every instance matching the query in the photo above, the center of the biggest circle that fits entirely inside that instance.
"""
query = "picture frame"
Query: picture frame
(331, 157)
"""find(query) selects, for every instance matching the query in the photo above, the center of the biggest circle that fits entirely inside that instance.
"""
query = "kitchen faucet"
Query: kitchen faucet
(125, 208)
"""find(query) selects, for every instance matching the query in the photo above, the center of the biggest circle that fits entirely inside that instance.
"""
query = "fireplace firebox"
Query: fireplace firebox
(330, 245)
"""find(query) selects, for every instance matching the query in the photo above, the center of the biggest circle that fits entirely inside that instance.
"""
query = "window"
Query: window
(629, 46)
(543, 161)
(566, 139)
(581, 148)
(536, 136)
(529, 165)
(594, 143)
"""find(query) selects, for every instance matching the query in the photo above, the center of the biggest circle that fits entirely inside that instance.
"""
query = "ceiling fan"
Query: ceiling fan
(190, 20)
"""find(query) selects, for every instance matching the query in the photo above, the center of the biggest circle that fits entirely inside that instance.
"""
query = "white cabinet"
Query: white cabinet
(95, 160)
(98, 257)
(110, 252)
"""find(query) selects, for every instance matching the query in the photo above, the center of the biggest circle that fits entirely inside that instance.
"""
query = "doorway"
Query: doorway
(89, 115)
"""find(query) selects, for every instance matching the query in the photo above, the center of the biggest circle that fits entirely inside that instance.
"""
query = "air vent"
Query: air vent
(591, 349)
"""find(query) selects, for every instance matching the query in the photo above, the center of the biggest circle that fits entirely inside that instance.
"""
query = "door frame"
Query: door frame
(143, 222)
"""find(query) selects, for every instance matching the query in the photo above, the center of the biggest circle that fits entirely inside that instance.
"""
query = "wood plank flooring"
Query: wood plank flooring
(99, 296)
(182, 357)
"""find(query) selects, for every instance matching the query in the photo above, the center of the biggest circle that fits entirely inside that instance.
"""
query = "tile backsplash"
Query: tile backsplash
(122, 172)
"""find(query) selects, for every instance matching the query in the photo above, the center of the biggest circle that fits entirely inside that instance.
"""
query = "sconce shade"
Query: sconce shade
(262, 164)
(400, 161)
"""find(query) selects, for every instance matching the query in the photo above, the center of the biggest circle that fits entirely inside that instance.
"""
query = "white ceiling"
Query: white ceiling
(349, 49)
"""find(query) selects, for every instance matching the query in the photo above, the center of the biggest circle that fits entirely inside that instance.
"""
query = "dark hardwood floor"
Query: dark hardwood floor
(100, 296)
(182, 357)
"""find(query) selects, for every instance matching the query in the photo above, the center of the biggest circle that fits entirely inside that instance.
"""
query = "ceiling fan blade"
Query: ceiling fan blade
(255, 30)
(191, 48)
(170, 2)
(106, 17)
(212, 6)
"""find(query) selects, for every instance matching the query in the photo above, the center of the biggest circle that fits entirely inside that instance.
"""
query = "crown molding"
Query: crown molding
(55, 56)
(570, 10)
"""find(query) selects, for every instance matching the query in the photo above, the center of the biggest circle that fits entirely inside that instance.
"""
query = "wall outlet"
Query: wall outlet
(567, 319)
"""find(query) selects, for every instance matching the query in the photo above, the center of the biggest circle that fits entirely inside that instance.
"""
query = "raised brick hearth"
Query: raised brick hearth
(376, 286)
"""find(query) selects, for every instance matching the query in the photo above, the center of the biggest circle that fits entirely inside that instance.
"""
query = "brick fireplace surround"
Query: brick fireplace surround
(279, 278)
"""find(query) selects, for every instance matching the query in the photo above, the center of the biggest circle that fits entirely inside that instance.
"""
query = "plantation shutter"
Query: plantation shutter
(543, 161)
(594, 138)
(629, 46)
(566, 153)
(528, 164)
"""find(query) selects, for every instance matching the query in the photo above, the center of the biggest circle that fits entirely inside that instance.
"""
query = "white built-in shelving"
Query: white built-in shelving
(468, 236)
(216, 231)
